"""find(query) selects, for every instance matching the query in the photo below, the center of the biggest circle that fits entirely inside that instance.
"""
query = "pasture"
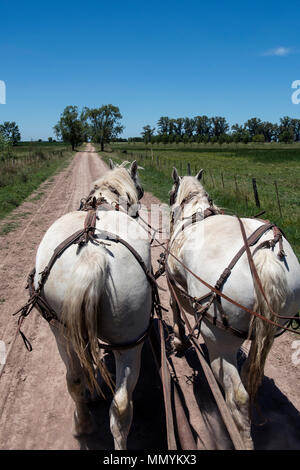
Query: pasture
(229, 170)
(24, 167)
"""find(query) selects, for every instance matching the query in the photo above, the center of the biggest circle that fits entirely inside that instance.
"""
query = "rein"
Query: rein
(215, 293)
(82, 237)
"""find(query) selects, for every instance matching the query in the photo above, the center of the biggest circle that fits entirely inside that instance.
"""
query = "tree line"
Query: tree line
(204, 129)
(98, 125)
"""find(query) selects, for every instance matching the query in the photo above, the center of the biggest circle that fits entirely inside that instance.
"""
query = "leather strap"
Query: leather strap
(82, 237)
(255, 274)
(227, 418)
(219, 293)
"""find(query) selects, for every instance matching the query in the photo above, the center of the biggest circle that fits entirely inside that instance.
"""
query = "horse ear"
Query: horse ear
(175, 175)
(199, 175)
(133, 169)
(111, 164)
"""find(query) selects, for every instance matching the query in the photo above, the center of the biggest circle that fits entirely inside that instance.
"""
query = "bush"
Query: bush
(286, 137)
(259, 138)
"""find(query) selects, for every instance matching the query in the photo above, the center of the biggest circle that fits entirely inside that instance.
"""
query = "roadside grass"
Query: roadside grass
(23, 148)
(8, 227)
(25, 170)
(228, 177)
(37, 196)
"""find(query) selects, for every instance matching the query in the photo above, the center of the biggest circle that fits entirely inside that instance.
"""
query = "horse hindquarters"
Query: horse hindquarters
(273, 278)
(81, 308)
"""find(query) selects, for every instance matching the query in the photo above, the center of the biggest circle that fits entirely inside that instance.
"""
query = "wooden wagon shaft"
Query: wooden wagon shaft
(226, 416)
(185, 435)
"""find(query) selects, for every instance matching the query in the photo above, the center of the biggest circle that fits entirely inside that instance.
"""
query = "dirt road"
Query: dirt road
(35, 407)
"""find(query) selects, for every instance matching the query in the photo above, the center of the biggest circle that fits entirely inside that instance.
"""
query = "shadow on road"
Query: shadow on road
(275, 422)
(148, 426)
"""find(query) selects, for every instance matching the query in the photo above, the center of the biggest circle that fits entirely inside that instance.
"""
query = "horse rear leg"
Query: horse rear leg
(223, 348)
(128, 364)
(76, 383)
(181, 342)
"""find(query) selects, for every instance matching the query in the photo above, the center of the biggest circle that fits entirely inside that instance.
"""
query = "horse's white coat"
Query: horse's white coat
(124, 307)
(206, 248)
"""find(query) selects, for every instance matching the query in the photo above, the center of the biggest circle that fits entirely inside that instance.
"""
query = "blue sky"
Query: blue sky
(159, 58)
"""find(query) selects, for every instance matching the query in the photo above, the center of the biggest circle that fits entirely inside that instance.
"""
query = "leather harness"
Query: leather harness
(82, 237)
(215, 294)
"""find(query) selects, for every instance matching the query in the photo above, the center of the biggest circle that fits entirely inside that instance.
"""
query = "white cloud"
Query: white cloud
(278, 51)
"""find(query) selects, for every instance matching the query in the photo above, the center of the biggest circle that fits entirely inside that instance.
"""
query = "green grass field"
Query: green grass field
(28, 147)
(25, 168)
(229, 170)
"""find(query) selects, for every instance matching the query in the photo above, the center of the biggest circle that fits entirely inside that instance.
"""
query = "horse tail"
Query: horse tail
(80, 312)
(274, 282)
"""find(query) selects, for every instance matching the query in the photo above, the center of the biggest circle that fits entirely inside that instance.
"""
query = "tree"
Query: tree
(5, 145)
(163, 125)
(269, 131)
(10, 132)
(86, 131)
(286, 136)
(189, 126)
(238, 132)
(202, 126)
(69, 127)
(296, 129)
(253, 126)
(104, 123)
(178, 126)
(147, 133)
(289, 126)
(219, 126)
(286, 123)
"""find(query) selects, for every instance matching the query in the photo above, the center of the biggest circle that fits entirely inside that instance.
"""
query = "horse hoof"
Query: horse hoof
(84, 427)
(248, 444)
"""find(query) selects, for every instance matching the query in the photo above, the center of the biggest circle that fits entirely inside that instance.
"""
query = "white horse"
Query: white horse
(100, 291)
(206, 248)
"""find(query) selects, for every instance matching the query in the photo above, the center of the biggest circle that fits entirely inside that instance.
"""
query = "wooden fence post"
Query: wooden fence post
(236, 185)
(189, 169)
(255, 192)
(278, 200)
(222, 179)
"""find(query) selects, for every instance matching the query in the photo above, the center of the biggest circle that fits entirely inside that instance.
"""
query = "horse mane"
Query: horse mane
(120, 180)
(189, 184)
